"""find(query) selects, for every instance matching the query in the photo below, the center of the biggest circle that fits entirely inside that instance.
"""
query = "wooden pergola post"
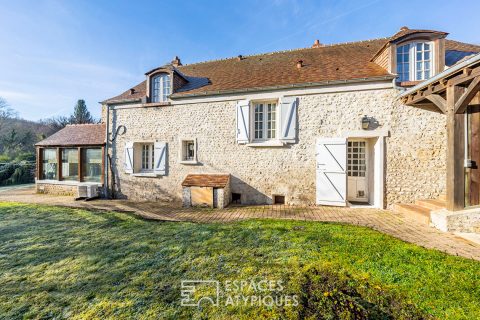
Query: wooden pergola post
(451, 92)
(455, 151)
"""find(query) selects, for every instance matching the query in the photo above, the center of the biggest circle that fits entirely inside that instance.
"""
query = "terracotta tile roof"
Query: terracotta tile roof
(206, 180)
(404, 32)
(461, 46)
(337, 62)
(134, 94)
(76, 135)
(330, 63)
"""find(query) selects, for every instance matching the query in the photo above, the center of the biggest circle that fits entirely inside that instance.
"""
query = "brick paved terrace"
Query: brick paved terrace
(385, 221)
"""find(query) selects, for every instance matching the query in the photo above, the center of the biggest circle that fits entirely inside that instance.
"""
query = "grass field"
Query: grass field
(58, 262)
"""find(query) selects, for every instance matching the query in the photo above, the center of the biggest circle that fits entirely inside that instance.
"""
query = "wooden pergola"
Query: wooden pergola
(451, 92)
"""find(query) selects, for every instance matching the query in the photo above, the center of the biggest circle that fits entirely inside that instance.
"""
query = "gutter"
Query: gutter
(441, 75)
(291, 86)
(105, 153)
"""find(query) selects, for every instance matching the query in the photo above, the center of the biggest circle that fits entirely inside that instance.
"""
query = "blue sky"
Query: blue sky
(55, 52)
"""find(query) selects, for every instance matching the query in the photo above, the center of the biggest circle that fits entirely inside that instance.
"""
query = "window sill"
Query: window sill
(67, 182)
(409, 83)
(189, 162)
(145, 174)
(266, 144)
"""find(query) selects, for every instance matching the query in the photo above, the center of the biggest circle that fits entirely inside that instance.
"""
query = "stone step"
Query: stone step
(432, 204)
(443, 197)
(414, 212)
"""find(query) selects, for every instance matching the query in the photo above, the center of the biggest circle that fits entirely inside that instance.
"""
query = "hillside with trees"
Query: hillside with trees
(18, 138)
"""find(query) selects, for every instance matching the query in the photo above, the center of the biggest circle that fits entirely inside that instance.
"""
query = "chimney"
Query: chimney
(132, 91)
(317, 44)
(299, 64)
(176, 62)
(240, 57)
(404, 28)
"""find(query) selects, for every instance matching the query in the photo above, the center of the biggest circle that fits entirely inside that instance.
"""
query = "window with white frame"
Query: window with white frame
(265, 120)
(188, 151)
(414, 61)
(403, 63)
(161, 87)
(147, 157)
(423, 60)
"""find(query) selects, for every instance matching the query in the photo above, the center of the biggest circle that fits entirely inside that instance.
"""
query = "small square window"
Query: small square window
(188, 151)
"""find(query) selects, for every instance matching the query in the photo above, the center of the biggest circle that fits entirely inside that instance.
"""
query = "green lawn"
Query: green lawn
(58, 262)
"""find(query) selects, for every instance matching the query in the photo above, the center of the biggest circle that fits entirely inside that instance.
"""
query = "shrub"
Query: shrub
(26, 156)
(328, 294)
(16, 173)
(4, 158)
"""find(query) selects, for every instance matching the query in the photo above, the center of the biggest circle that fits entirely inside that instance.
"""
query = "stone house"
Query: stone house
(320, 125)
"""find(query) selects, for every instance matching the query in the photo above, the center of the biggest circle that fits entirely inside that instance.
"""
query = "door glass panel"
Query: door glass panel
(356, 159)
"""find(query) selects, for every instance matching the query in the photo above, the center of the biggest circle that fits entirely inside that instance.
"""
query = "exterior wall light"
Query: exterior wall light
(365, 122)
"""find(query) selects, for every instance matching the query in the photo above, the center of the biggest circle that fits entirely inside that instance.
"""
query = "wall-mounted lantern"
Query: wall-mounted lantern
(365, 122)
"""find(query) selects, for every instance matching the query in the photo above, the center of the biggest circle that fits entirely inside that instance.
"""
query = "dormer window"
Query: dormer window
(161, 87)
(414, 61)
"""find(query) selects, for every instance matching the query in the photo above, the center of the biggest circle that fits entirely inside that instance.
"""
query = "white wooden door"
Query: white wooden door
(357, 161)
(331, 154)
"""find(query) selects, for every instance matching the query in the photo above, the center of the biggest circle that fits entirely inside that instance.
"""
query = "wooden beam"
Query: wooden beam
(467, 96)
(455, 152)
(439, 101)
(39, 163)
(59, 164)
(467, 71)
(462, 77)
(434, 88)
(476, 99)
(80, 165)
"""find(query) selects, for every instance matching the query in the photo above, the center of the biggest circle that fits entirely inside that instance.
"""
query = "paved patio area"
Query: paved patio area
(384, 221)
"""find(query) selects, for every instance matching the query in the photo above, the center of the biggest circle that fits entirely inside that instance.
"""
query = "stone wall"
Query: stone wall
(56, 189)
(415, 149)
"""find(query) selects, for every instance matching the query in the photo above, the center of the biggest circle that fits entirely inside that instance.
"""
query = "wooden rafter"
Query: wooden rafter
(439, 101)
(467, 96)
(463, 77)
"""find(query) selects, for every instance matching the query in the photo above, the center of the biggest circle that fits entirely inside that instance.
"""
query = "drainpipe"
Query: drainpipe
(105, 160)
(401, 89)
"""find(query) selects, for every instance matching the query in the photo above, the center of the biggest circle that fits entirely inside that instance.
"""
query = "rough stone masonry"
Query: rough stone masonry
(414, 161)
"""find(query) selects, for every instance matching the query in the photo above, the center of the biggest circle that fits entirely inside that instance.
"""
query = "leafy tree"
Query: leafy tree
(81, 114)
(13, 142)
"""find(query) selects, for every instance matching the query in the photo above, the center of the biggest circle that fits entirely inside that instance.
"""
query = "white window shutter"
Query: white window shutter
(160, 158)
(288, 119)
(128, 164)
(243, 121)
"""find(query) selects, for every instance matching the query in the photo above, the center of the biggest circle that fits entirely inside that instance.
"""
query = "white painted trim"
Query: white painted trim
(180, 154)
(379, 173)
(68, 183)
(145, 174)
(383, 132)
(190, 162)
(274, 94)
(268, 143)
(354, 198)
(378, 162)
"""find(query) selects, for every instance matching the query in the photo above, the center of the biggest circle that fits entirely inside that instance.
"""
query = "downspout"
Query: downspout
(105, 154)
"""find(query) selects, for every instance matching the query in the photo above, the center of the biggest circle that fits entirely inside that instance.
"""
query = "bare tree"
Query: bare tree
(6, 113)
(55, 123)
